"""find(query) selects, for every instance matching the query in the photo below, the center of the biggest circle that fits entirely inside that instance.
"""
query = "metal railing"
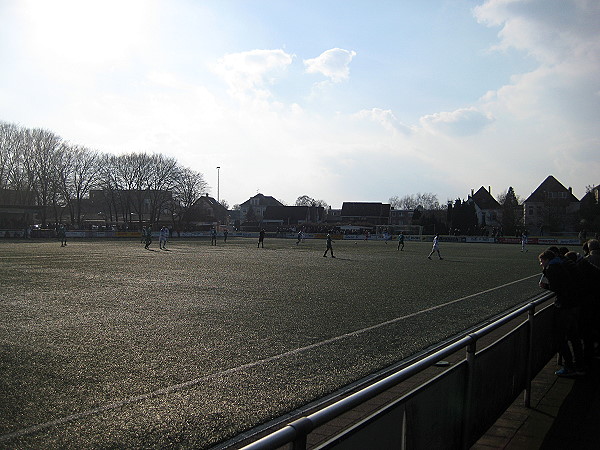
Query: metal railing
(453, 409)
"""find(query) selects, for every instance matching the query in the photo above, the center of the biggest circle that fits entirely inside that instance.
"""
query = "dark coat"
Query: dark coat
(562, 279)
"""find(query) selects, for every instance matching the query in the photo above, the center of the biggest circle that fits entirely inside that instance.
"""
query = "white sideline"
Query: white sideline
(187, 384)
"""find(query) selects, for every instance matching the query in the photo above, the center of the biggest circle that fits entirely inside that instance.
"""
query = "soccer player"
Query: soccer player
(329, 247)
(261, 239)
(62, 235)
(147, 236)
(213, 236)
(401, 241)
(225, 233)
(435, 248)
(162, 240)
(524, 242)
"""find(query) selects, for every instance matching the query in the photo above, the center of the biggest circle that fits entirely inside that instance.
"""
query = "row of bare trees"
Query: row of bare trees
(43, 170)
(427, 201)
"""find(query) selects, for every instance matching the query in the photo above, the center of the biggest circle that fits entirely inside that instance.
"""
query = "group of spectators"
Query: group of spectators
(575, 278)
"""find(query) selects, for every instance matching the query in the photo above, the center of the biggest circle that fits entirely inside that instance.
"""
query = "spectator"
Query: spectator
(590, 268)
(559, 279)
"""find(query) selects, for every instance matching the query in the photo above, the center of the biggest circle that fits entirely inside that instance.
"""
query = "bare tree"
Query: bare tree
(41, 160)
(78, 174)
(407, 202)
(132, 182)
(305, 200)
(163, 179)
(13, 148)
(107, 183)
(55, 174)
(188, 189)
(8, 137)
(427, 201)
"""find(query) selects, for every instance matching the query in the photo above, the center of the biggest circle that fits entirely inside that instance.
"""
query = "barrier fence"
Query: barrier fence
(452, 410)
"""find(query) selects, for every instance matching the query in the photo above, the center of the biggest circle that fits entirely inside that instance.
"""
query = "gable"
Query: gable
(261, 200)
(551, 188)
(484, 200)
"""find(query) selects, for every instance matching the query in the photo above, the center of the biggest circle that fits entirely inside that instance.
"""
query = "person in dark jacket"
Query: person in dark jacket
(559, 278)
(590, 267)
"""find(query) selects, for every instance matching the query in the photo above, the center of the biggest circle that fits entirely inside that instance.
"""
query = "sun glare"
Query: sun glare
(89, 32)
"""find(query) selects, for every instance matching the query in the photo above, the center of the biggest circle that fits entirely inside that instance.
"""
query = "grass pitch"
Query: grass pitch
(105, 344)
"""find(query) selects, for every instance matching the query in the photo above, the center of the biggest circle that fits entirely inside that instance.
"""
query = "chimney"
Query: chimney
(490, 190)
(472, 192)
(570, 190)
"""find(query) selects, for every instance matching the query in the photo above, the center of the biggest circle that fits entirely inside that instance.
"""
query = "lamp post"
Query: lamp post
(218, 182)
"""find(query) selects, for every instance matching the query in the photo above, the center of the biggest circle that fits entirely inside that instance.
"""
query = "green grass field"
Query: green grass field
(105, 344)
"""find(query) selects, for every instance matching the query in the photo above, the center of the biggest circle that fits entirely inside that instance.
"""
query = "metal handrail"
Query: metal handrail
(297, 431)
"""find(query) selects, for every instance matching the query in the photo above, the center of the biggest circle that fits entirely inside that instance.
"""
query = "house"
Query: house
(593, 195)
(333, 215)
(487, 208)
(366, 213)
(589, 212)
(293, 215)
(551, 207)
(401, 217)
(208, 210)
(253, 209)
(17, 209)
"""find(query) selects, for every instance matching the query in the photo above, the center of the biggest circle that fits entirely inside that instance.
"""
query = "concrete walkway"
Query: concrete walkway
(564, 414)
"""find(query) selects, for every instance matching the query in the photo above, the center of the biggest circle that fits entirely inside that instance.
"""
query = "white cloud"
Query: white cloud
(552, 111)
(334, 64)
(462, 122)
(550, 30)
(148, 95)
(385, 118)
(247, 73)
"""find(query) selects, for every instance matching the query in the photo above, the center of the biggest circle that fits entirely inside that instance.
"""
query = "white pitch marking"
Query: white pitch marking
(190, 383)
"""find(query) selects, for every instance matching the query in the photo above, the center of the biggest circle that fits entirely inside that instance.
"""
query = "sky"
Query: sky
(340, 100)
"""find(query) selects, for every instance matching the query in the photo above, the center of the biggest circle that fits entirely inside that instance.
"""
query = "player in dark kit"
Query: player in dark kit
(261, 239)
(147, 236)
(329, 247)
(401, 241)
(62, 235)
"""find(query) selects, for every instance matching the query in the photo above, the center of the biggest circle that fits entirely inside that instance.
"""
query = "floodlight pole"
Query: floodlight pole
(218, 182)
